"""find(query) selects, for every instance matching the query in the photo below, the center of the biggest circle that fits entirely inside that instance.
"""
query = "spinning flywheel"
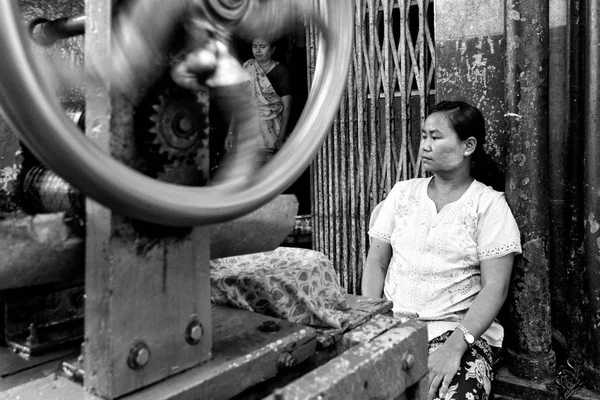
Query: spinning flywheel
(30, 106)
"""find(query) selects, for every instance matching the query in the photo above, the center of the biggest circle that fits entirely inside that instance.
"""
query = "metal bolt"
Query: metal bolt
(194, 332)
(139, 355)
(408, 361)
(185, 124)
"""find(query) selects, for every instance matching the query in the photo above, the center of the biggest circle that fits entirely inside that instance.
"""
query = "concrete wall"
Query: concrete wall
(469, 39)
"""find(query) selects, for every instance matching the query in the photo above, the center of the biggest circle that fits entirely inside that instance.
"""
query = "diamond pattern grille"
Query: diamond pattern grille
(375, 137)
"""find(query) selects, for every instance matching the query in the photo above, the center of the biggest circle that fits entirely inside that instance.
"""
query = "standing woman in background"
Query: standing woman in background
(270, 87)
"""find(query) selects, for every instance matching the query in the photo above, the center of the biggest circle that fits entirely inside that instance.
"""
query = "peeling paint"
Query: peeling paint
(594, 226)
(520, 159)
(514, 15)
(517, 116)
(491, 45)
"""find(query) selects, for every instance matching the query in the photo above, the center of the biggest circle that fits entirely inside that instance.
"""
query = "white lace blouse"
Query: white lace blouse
(434, 272)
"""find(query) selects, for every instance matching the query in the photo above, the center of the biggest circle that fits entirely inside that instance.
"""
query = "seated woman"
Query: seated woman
(270, 87)
(442, 250)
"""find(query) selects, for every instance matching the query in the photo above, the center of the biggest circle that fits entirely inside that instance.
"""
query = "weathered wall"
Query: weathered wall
(470, 57)
(66, 52)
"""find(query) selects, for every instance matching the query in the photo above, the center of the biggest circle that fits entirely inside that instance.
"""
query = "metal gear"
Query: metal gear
(178, 124)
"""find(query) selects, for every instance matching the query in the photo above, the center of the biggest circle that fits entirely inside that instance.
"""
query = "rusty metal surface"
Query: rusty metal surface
(526, 72)
(591, 189)
(383, 368)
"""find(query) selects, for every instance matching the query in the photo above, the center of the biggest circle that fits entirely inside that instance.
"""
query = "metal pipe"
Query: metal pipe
(591, 189)
(576, 336)
(46, 33)
(526, 92)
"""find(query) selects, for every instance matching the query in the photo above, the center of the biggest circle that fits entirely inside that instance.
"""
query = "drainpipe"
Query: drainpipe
(526, 95)
(576, 336)
(591, 189)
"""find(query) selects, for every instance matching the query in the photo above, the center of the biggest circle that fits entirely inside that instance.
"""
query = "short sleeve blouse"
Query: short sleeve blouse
(434, 272)
(280, 80)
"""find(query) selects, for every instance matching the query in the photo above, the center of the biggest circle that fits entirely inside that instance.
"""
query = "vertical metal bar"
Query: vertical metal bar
(328, 197)
(360, 142)
(422, 76)
(350, 198)
(317, 171)
(374, 98)
(334, 216)
(591, 189)
(342, 157)
(314, 168)
(387, 115)
(526, 91)
(404, 91)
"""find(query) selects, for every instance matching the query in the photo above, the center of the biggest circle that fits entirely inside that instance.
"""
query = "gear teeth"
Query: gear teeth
(168, 158)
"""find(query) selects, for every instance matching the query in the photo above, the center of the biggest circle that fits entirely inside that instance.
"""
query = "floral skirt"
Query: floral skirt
(473, 381)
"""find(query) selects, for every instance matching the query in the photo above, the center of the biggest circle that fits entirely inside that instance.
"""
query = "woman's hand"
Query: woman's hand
(443, 364)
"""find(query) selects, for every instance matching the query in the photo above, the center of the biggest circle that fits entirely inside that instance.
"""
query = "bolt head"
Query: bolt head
(194, 332)
(142, 357)
(139, 356)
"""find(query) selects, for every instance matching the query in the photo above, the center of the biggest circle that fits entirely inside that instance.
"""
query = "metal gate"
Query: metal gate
(375, 137)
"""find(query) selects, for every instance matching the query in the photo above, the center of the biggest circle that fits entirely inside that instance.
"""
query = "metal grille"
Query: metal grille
(375, 137)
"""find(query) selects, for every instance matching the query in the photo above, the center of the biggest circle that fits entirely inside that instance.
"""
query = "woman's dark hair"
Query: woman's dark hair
(468, 121)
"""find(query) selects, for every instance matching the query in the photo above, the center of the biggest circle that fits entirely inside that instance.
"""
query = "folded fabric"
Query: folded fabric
(297, 285)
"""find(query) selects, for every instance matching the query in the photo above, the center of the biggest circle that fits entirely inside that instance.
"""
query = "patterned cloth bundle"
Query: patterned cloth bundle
(297, 285)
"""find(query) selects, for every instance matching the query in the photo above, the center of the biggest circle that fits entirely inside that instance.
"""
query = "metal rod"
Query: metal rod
(33, 257)
(526, 91)
(591, 188)
(46, 33)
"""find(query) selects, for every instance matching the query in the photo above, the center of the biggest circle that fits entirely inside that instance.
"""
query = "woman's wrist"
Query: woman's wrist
(457, 342)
